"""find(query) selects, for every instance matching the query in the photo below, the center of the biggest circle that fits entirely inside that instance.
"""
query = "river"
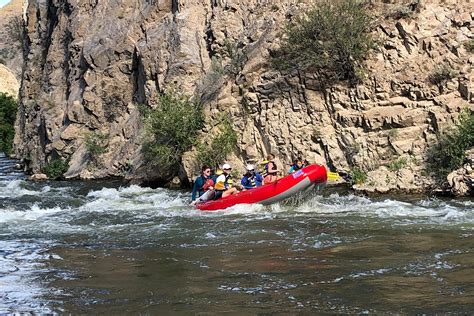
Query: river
(98, 247)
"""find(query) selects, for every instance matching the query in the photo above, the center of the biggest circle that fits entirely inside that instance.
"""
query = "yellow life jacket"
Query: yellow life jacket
(262, 168)
(224, 185)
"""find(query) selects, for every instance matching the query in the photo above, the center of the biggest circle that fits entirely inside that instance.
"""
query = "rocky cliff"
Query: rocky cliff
(11, 57)
(89, 63)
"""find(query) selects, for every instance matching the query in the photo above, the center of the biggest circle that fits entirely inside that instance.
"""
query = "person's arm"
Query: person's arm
(292, 169)
(197, 185)
(259, 178)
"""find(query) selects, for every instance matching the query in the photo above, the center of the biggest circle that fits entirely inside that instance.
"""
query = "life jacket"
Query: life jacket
(209, 183)
(202, 189)
(266, 173)
(296, 168)
(252, 180)
(228, 182)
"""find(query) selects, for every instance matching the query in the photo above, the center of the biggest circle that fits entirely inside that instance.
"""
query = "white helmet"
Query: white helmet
(226, 166)
(250, 167)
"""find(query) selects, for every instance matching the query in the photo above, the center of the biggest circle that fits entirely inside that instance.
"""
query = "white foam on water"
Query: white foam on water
(32, 214)
(431, 211)
(15, 188)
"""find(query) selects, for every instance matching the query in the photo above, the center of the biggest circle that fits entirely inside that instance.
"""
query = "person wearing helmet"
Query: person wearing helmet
(223, 186)
(251, 179)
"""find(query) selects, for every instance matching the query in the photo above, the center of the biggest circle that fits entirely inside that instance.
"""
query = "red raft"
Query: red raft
(290, 185)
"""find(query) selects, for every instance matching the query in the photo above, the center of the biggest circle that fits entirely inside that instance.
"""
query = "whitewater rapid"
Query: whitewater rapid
(47, 227)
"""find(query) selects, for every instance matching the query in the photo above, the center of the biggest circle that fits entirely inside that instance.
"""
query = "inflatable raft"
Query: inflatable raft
(280, 190)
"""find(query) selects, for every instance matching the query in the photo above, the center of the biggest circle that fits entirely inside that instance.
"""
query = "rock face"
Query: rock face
(11, 33)
(8, 83)
(11, 57)
(89, 63)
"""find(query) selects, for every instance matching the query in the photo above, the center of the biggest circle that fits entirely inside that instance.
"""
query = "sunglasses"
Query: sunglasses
(228, 169)
(207, 171)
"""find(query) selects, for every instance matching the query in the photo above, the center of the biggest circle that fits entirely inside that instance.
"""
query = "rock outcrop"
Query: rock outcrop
(461, 181)
(11, 34)
(90, 63)
(8, 83)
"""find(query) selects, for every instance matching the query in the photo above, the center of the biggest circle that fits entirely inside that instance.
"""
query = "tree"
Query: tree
(8, 108)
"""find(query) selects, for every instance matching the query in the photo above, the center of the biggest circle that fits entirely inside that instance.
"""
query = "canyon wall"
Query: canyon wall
(11, 57)
(90, 63)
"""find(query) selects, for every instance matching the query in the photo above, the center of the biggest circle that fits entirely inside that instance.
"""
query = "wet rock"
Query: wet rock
(38, 177)
(461, 181)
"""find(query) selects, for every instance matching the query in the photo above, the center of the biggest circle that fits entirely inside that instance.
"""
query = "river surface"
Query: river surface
(78, 247)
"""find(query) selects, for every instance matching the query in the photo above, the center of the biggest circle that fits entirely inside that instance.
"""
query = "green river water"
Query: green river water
(77, 247)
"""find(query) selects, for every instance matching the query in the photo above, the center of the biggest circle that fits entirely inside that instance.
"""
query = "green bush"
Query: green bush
(397, 164)
(56, 168)
(331, 40)
(236, 55)
(8, 108)
(172, 128)
(96, 143)
(469, 45)
(449, 152)
(215, 153)
(212, 82)
(442, 73)
(357, 176)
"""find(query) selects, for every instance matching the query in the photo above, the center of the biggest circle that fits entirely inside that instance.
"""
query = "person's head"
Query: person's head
(206, 171)
(299, 162)
(250, 169)
(226, 168)
(270, 157)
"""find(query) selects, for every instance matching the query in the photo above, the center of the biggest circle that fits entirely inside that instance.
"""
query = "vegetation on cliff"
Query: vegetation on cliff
(56, 168)
(171, 128)
(96, 144)
(448, 153)
(215, 153)
(330, 40)
(8, 108)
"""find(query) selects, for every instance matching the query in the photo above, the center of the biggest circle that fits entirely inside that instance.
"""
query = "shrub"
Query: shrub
(236, 55)
(392, 134)
(331, 39)
(96, 143)
(357, 176)
(212, 82)
(469, 45)
(215, 153)
(171, 128)
(448, 153)
(397, 164)
(8, 108)
(442, 73)
(56, 168)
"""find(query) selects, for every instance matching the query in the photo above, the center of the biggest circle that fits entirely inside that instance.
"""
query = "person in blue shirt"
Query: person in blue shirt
(202, 183)
(297, 165)
(251, 179)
